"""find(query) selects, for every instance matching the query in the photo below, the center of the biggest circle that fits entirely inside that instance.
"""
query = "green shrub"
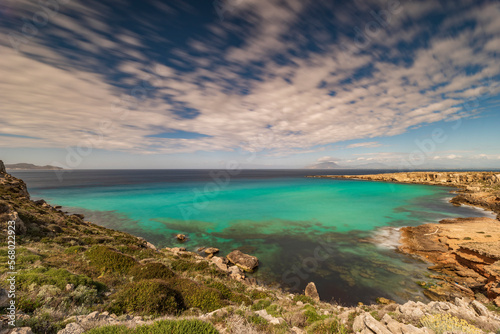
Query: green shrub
(160, 327)
(223, 289)
(106, 258)
(304, 299)
(261, 304)
(58, 277)
(153, 270)
(152, 297)
(239, 299)
(333, 326)
(196, 295)
(43, 323)
(74, 250)
(312, 315)
(442, 322)
(256, 294)
(184, 265)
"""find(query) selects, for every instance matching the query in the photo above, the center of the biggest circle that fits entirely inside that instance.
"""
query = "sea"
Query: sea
(341, 234)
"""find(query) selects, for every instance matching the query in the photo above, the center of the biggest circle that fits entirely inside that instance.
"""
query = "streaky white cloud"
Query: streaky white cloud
(308, 102)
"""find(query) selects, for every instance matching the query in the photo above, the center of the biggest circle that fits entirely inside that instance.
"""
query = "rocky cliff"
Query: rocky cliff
(2, 168)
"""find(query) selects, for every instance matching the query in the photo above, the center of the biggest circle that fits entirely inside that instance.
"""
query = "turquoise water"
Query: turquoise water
(336, 233)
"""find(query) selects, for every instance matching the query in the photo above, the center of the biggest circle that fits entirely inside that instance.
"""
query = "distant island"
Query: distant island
(30, 167)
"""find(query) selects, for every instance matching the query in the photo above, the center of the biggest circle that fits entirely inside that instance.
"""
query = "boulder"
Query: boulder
(72, 328)
(480, 309)
(177, 250)
(181, 237)
(4, 298)
(69, 287)
(244, 261)
(2, 168)
(365, 323)
(385, 301)
(220, 262)
(211, 250)
(236, 273)
(311, 291)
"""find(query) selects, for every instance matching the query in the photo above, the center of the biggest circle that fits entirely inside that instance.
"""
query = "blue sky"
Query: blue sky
(265, 83)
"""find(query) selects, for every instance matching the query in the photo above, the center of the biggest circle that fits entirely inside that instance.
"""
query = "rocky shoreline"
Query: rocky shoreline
(464, 252)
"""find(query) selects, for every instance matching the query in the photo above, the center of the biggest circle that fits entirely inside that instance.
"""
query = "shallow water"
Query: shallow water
(341, 234)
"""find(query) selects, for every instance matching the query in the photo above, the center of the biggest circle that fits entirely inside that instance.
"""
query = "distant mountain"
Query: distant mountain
(30, 166)
(324, 165)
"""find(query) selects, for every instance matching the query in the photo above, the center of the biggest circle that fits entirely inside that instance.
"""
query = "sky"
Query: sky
(256, 83)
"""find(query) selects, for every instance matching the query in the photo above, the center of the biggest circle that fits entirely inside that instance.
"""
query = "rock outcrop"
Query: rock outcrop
(311, 291)
(412, 312)
(244, 261)
(465, 250)
(2, 168)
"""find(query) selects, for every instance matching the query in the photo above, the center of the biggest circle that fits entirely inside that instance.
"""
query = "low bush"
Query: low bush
(58, 277)
(106, 258)
(312, 315)
(445, 323)
(165, 326)
(74, 250)
(333, 326)
(153, 270)
(183, 265)
(196, 295)
(304, 299)
(151, 297)
(261, 304)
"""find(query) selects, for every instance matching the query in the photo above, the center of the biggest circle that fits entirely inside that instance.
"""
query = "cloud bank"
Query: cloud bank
(278, 76)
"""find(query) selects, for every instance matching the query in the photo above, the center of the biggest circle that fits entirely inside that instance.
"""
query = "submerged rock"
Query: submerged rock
(244, 261)
(181, 237)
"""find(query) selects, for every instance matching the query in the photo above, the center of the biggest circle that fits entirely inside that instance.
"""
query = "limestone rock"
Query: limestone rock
(4, 299)
(480, 309)
(181, 237)
(21, 330)
(244, 261)
(365, 324)
(311, 291)
(236, 273)
(177, 250)
(211, 250)
(220, 262)
(69, 287)
(72, 328)
(269, 318)
(385, 301)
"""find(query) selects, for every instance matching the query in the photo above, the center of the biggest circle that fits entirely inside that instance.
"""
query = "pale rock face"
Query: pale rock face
(72, 328)
(311, 291)
(244, 261)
